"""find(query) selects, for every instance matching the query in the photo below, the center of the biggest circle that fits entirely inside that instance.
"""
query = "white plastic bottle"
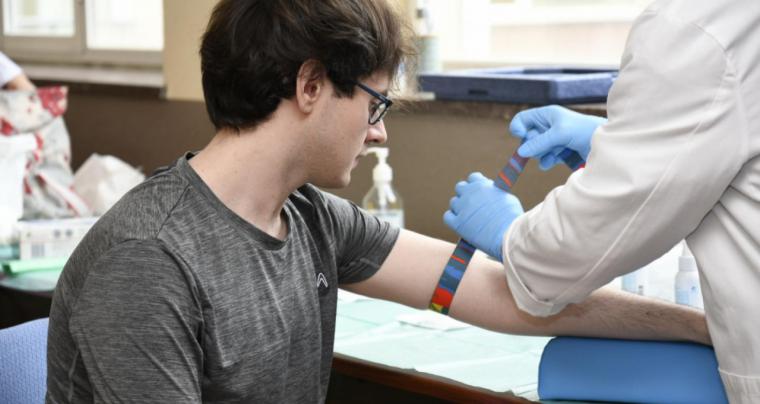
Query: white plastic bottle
(382, 200)
(687, 289)
(427, 38)
(636, 281)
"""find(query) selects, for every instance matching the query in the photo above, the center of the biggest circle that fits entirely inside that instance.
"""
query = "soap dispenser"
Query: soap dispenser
(382, 200)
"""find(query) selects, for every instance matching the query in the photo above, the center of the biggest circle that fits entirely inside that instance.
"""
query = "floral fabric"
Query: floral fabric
(48, 191)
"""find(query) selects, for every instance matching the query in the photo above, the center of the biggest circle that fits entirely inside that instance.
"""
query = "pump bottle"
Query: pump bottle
(382, 200)
(687, 288)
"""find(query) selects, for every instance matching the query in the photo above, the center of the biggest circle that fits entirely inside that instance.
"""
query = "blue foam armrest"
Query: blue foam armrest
(591, 369)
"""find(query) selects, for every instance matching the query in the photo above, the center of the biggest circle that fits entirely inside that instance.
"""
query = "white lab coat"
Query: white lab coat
(679, 158)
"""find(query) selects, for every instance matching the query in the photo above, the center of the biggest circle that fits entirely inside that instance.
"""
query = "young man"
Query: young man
(216, 279)
(679, 158)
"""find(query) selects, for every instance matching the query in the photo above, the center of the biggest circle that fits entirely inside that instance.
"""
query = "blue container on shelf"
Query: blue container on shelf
(526, 85)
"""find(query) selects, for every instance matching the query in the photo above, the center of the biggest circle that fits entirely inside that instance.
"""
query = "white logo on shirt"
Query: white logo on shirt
(321, 281)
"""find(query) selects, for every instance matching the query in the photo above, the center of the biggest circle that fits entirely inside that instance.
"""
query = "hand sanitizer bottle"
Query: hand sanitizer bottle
(382, 200)
(687, 289)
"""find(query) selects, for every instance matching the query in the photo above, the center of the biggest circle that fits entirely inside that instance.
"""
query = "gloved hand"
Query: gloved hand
(481, 213)
(548, 130)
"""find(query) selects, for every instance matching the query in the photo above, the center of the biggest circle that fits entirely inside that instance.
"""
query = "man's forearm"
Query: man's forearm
(615, 314)
(411, 272)
(484, 299)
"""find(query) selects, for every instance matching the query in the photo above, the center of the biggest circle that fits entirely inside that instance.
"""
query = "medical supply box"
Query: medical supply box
(56, 238)
(534, 85)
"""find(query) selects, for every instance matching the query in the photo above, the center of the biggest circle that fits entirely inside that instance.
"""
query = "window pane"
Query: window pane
(38, 17)
(121, 24)
(590, 2)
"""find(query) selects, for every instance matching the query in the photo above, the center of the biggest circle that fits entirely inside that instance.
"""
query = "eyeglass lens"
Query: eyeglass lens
(378, 111)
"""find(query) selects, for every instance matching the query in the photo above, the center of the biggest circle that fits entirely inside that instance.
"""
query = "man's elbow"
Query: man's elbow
(534, 304)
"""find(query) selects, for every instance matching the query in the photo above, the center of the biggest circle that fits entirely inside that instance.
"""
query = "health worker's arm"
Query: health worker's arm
(675, 138)
(412, 270)
(11, 75)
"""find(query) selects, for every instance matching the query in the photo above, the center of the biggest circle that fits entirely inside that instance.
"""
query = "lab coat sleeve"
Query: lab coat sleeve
(674, 140)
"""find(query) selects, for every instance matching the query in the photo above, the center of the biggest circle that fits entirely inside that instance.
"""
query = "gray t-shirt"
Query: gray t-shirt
(172, 298)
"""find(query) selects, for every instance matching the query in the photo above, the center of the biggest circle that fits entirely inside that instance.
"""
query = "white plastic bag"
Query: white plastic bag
(14, 152)
(48, 178)
(102, 180)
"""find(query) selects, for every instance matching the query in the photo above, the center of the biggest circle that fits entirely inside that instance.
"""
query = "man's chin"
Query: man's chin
(335, 183)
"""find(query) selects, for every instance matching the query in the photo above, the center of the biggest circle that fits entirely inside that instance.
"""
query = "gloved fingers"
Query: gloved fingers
(518, 127)
(542, 144)
(533, 133)
(515, 201)
(526, 120)
(460, 187)
(476, 177)
(450, 219)
(557, 151)
(548, 161)
(454, 204)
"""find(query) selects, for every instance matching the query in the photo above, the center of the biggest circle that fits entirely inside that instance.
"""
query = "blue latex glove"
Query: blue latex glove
(548, 130)
(481, 213)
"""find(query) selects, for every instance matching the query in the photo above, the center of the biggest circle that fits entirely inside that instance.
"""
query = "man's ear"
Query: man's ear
(310, 84)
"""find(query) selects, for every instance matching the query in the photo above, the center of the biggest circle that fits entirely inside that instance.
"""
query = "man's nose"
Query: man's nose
(377, 133)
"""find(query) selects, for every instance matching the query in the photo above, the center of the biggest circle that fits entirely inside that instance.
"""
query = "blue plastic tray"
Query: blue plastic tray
(551, 85)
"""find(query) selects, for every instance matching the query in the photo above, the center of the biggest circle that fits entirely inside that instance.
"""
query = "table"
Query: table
(401, 383)
(427, 353)
(26, 298)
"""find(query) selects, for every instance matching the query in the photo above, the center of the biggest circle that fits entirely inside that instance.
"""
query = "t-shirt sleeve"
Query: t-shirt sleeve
(137, 310)
(362, 241)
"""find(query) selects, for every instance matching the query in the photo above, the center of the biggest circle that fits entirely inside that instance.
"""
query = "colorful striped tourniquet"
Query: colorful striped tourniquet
(457, 264)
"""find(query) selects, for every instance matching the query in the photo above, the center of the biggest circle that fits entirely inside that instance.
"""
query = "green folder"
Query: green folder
(16, 267)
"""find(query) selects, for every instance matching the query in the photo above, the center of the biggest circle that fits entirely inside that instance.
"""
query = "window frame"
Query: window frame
(470, 35)
(503, 14)
(74, 49)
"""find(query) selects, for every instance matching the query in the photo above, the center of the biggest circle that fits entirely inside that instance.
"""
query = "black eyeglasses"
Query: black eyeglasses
(377, 110)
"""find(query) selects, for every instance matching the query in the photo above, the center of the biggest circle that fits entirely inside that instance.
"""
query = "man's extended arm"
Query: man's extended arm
(411, 272)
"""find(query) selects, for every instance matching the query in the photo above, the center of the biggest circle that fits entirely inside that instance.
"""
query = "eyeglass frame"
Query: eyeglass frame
(387, 102)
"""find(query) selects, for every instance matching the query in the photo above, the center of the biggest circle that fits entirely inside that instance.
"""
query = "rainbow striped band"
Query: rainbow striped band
(508, 175)
(453, 272)
(572, 160)
(452, 275)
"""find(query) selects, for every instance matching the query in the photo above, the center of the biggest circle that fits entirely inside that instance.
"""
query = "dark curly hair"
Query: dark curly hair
(252, 51)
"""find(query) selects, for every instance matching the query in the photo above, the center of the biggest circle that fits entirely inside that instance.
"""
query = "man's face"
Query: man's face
(344, 133)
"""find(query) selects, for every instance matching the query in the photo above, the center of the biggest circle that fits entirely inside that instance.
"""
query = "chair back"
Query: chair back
(23, 363)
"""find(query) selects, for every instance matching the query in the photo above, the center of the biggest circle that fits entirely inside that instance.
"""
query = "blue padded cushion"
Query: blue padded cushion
(23, 368)
(590, 369)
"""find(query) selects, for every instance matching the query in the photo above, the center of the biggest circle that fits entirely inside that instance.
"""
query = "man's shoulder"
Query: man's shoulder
(142, 212)
(136, 219)
(323, 209)
(314, 198)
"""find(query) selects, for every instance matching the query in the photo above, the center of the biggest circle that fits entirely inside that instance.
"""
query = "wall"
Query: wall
(184, 23)
(429, 151)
